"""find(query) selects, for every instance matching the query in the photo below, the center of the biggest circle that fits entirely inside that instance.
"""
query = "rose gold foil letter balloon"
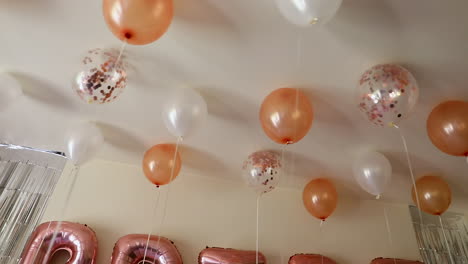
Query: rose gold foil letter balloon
(447, 127)
(320, 198)
(433, 193)
(161, 164)
(78, 240)
(387, 93)
(102, 77)
(138, 22)
(286, 115)
(130, 249)
(229, 256)
(262, 170)
(310, 259)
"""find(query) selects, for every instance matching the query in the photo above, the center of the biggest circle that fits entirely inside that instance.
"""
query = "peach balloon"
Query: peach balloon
(447, 127)
(286, 115)
(433, 193)
(138, 22)
(320, 198)
(160, 162)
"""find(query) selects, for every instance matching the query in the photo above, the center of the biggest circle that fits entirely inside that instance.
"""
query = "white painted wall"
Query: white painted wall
(116, 199)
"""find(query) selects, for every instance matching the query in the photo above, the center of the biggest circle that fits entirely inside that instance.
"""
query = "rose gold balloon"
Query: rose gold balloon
(78, 240)
(447, 127)
(286, 115)
(320, 198)
(130, 249)
(229, 256)
(138, 22)
(310, 259)
(434, 195)
(393, 261)
(161, 164)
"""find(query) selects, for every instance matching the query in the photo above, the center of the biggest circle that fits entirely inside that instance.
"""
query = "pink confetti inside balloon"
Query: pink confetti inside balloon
(102, 78)
(262, 171)
(387, 93)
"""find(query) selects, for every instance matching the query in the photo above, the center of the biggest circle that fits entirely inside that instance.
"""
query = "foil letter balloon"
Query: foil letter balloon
(447, 127)
(393, 261)
(161, 164)
(286, 115)
(310, 259)
(78, 240)
(130, 249)
(387, 93)
(138, 22)
(83, 141)
(308, 12)
(433, 193)
(229, 256)
(320, 198)
(102, 77)
(261, 171)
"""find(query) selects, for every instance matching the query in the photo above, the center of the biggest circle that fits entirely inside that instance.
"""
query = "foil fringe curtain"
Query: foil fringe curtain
(27, 180)
(431, 240)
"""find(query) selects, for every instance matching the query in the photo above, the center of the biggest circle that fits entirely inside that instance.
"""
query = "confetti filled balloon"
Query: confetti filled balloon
(434, 194)
(138, 22)
(386, 94)
(286, 115)
(102, 78)
(262, 170)
(320, 198)
(447, 127)
(161, 164)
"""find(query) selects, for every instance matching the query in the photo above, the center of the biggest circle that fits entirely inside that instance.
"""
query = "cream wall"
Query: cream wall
(116, 199)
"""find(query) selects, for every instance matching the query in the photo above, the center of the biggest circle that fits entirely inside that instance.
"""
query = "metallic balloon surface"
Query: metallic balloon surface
(387, 93)
(434, 194)
(373, 172)
(393, 261)
(78, 240)
(447, 127)
(83, 140)
(286, 115)
(102, 77)
(308, 12)
(229, 256)
(161, 164)
(130, 249)
(320, 198)
(310, 259)
(262, 170)
(184, 111)
(138, 22)
(10, 90)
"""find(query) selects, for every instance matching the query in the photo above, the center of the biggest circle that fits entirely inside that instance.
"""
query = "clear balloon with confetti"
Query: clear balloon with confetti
(387, 93)
(261, 171)
(102, 77)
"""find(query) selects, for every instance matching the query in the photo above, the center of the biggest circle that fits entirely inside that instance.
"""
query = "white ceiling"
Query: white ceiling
(234, 53)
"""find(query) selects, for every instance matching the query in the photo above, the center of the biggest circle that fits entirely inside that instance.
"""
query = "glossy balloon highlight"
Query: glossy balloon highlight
(308, 12)
(161, 164)
(83, 141)
(372, 172)
(434, 194)
(320, 198)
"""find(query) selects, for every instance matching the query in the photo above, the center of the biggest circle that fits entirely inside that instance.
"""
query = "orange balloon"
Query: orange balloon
(286, 115)
(433, 193)
(320, 198)
(159, 164)
(138, 22)
(447, 127)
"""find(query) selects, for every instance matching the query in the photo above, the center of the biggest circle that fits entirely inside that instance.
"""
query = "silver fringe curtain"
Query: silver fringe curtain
(431, 240)
(27, 180)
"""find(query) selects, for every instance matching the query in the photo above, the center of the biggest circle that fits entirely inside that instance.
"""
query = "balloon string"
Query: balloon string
(411, 171)
(321, 236)
(158, 194)
(122, 49)
(467, 159)
(166, 196)
(256, 242)
(73, 177)
(446, 241)
(389, 233)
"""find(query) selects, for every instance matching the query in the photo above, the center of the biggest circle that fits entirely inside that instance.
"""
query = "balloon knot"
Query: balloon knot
(377, 197)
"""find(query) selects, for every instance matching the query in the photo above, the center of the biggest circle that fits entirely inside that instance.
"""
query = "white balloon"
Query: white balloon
(183, 112)
(83, 142)
(373, 172)
(10, 90)
(308, 12)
